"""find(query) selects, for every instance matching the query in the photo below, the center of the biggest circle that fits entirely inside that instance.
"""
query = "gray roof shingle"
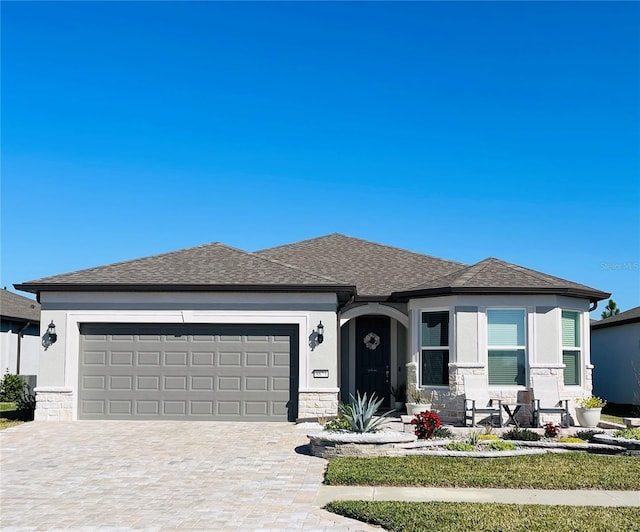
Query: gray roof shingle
(628, 316)
(14, 306)
(210, 265)
(376, 269)
(329, 263)
(495, 275)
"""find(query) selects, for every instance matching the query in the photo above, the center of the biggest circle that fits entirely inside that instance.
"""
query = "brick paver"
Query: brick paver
(118, 475)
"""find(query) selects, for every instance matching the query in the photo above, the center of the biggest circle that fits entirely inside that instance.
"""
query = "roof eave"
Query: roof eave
(605, 325)
(37, 288)
(592, 295)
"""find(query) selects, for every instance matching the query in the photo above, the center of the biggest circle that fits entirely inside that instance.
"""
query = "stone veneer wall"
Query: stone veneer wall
(317, 404)
(53, 404)
(449, 403)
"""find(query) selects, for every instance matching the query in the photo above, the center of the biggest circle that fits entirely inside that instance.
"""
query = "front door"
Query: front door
(373, 356)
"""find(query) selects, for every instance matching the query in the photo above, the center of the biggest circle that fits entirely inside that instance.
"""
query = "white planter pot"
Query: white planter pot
(416, 408)
(588, 417)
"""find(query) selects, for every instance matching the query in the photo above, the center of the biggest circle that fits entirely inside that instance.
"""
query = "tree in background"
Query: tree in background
(611, 309)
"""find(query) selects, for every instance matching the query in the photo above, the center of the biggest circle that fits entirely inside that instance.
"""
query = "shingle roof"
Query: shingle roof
(494, 275)
(335, 262)
(628, 316)
(19, 307)
(376, 269)
(211, 265)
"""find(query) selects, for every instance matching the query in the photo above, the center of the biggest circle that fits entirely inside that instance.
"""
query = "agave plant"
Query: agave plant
(359, 413)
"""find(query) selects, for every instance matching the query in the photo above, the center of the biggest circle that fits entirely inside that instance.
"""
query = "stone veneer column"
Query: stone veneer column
(53, 404)
(317, 404)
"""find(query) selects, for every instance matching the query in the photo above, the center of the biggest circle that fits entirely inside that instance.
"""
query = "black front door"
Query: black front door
(373, 356)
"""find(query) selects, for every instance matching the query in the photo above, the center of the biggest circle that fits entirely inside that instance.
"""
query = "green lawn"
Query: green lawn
(611, 419)
(8, 407)
(439, 516)
(571, 471)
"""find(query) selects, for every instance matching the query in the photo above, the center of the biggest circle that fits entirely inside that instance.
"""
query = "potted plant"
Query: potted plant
(588, 411)
(399, 392)
(418, 403)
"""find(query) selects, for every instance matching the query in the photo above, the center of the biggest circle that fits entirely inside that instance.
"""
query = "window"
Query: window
(435, 348)
(571, 347)
(507, 346)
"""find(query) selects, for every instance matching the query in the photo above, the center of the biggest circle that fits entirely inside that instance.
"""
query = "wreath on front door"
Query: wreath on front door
(372, 341)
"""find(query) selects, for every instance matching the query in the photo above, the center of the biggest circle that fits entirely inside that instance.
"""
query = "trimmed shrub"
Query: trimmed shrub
(12, 388)
(630, 433)
(461, 446)
(587, 435)
(443, 432)
(521, 435)
(502, 445)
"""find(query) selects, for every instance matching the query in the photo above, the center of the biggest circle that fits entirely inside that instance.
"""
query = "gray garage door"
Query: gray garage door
(191, 372)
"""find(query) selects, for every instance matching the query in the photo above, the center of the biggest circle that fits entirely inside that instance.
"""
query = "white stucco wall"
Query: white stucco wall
(615, 353)
(58, 367)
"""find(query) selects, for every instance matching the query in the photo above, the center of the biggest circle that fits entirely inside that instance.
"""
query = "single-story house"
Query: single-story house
(19, 335)
(216, 333)
(615, 350)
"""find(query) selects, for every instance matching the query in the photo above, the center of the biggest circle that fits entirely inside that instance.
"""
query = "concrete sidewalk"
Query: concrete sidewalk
(510, 496)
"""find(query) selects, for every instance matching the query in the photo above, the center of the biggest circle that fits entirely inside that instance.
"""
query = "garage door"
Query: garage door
(190, 372)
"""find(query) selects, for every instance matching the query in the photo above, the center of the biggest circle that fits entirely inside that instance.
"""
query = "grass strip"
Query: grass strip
(456, 516)
(571, 471)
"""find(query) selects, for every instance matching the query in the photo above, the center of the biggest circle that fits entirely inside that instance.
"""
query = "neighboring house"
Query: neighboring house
(615, 352)
(214, 332)
(19, 335)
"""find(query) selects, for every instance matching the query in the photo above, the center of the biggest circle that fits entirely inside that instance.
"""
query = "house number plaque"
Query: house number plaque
(320, 373)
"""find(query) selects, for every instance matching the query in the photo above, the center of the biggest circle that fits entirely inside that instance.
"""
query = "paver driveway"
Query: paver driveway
(161, 475)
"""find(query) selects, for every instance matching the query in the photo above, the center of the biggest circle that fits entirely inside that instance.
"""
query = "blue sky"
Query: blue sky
(460, 130)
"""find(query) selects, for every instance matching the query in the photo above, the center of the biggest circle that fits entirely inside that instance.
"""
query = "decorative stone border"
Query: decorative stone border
(327, 444)
(614, 441)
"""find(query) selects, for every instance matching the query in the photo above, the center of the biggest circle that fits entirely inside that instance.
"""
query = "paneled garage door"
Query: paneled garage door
(191, 372)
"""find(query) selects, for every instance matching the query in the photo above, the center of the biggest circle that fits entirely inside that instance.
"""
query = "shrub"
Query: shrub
(442, 432)
(26, 403)
(461, 446)
(359, 414)
(12, 387)
(630, 433)
(502, 445)
(522, 435)
(474, 438)
(340, 423)
(425, 423)
(587, 435)
(551, 430)
(571, 440)
(489, 437)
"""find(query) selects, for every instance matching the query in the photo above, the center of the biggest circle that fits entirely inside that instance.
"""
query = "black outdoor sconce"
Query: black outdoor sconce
(320, 337)
(50, 337)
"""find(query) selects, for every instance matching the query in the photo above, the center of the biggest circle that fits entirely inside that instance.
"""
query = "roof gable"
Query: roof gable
(376, 269)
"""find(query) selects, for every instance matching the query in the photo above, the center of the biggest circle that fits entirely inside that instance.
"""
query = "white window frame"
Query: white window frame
(422, 348)
(524, 347)
(579, 349)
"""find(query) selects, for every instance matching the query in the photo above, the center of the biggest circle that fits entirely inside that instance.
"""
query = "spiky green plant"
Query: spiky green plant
(360, 412)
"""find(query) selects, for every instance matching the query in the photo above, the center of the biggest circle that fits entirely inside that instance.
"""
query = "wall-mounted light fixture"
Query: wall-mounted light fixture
(50, 337)
(320, 337)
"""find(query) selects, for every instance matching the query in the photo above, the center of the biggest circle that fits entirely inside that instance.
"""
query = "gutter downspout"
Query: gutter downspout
(20, 347)
(594, 306)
